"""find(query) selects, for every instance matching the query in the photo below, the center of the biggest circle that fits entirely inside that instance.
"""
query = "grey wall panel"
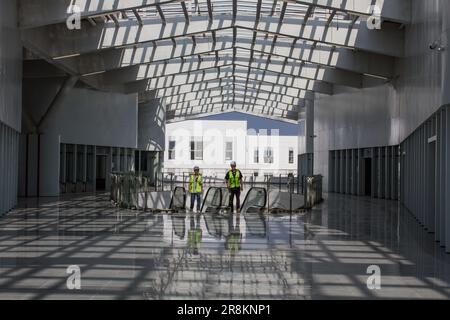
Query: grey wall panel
(443, 143)
(349, 173)
(9, 150)
(447, 181)
(10, 103)
(388, 114)
(10, 66)
(420, 96)
(355, 119)
(424, 175)
(152, 126)
(83, 117)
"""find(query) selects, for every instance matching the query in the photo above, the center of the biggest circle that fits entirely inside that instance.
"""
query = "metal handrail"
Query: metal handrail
(206, 197)
(173, 196)
(249, 192)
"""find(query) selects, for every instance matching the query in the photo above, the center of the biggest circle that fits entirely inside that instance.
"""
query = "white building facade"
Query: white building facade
(212, 145)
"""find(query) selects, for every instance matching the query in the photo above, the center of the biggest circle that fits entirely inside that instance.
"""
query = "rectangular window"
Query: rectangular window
(196, 148)
(256, 156)
(172, 145)
(268, 155)
(228, 150)
(291, 155)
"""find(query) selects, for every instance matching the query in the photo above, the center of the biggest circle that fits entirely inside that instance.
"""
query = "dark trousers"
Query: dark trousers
(194, 197)
(235, 192)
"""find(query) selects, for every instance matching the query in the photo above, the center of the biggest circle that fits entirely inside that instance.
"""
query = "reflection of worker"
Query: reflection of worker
(234, 184)
(196, 188)
(194, 235)
(234, 239)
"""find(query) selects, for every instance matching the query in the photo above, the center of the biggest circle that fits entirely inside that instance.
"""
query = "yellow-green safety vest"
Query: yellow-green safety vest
(235, 180)
(199, 188)
(194, 238)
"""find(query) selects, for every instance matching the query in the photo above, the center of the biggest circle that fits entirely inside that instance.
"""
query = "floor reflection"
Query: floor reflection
(125, 254)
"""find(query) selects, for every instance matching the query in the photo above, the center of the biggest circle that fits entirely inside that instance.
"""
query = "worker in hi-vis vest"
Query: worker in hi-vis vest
(234, 184)
(196, 188)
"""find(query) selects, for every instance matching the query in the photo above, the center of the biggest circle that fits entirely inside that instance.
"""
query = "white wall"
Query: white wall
(214, 134)
(280, 146)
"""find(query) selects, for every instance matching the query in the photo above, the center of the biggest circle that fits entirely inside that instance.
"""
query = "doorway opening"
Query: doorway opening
(368, 176)
(101, 173)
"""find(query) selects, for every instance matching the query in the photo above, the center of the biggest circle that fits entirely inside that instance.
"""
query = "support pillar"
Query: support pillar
(306, 144)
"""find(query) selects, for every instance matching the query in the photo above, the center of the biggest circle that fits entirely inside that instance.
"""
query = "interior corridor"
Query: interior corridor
(126, 254)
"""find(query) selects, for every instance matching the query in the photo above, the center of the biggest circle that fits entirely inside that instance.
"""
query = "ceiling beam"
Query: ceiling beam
(64, 42)
(198, 62)
(226, 80)
(339, 58)
(290, 83)
(55, 11)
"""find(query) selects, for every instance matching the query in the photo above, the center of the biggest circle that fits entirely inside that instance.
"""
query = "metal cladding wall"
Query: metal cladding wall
(386, 115)
(425, 175)
(353, 119)
(9, 151)
(82, 117)
(348, 171)
(152, 125)
(10, 66)
(10, 102)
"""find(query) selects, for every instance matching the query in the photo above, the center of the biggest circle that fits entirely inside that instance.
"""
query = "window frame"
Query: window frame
(256, 155)
(196, 148)
(268, 155)
(229, 141)
(291, 156)
(172, 151)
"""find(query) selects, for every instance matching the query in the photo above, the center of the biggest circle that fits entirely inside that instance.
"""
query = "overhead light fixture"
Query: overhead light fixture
(67, 56)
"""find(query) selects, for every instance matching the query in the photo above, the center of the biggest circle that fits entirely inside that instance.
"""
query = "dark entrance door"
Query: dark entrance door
(368, 176)
(101, 173)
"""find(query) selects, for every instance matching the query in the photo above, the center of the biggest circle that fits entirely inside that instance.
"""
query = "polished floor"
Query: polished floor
(124, 254)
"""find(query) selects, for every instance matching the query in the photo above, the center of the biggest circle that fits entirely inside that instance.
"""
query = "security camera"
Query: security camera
(434, 45)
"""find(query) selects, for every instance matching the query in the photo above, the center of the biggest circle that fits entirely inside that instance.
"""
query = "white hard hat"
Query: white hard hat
(233, 163)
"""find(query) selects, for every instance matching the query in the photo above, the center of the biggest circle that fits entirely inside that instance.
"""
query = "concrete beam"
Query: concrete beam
(236, 81)
(292, 118)
(391, 10)
(300, 51)
(238, 97)
(230, 106)
(226, 89)
(295, 85)
(35, 13)
(194, 63)
(55, 11)
(58, 41)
